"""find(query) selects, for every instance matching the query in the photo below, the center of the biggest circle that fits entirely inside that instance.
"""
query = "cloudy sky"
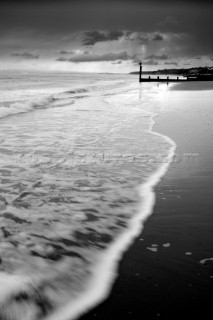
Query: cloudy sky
(105, 35)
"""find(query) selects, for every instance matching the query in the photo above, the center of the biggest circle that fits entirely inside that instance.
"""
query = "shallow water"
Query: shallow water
(74, 152)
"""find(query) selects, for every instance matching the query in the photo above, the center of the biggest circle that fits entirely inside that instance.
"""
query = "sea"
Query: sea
(79, 160)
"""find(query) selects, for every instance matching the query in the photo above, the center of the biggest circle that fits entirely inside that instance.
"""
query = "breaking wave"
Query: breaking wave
(53, 101)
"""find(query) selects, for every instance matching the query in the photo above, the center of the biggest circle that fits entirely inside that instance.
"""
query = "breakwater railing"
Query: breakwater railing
(163, 78)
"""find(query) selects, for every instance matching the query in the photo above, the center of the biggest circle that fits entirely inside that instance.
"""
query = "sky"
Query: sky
(105, 35)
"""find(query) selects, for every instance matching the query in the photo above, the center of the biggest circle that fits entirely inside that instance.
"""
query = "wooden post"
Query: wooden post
(140, 73)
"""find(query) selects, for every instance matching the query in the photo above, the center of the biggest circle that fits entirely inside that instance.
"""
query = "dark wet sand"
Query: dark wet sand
(198, 85)
(169, 282)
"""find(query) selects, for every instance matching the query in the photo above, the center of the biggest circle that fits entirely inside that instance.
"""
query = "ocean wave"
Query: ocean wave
(55, 100)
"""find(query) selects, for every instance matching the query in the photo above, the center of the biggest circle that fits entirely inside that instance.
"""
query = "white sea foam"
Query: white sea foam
(107, 270)
(54, 100)
(22, 107)
(50, 204)
(14, 283)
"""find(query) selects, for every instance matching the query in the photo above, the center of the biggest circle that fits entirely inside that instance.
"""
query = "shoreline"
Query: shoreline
(99, 290)
(161, 274)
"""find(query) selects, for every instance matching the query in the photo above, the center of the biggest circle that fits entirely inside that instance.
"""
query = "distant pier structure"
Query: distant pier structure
(163, 78)
(140, 72)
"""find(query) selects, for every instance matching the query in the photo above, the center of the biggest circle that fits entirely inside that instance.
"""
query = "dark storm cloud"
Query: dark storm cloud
(137, 36)
(150, 63)
(158, 37)
(94, 57)
(53, 20)
(171, 63)
(104, 57)
(157, 57)
(26, 55)
(92, 37)
(62, 59)
(66, 52)
(143, 37)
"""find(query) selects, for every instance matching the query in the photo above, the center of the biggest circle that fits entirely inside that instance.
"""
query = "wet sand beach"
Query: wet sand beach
(168, 272)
